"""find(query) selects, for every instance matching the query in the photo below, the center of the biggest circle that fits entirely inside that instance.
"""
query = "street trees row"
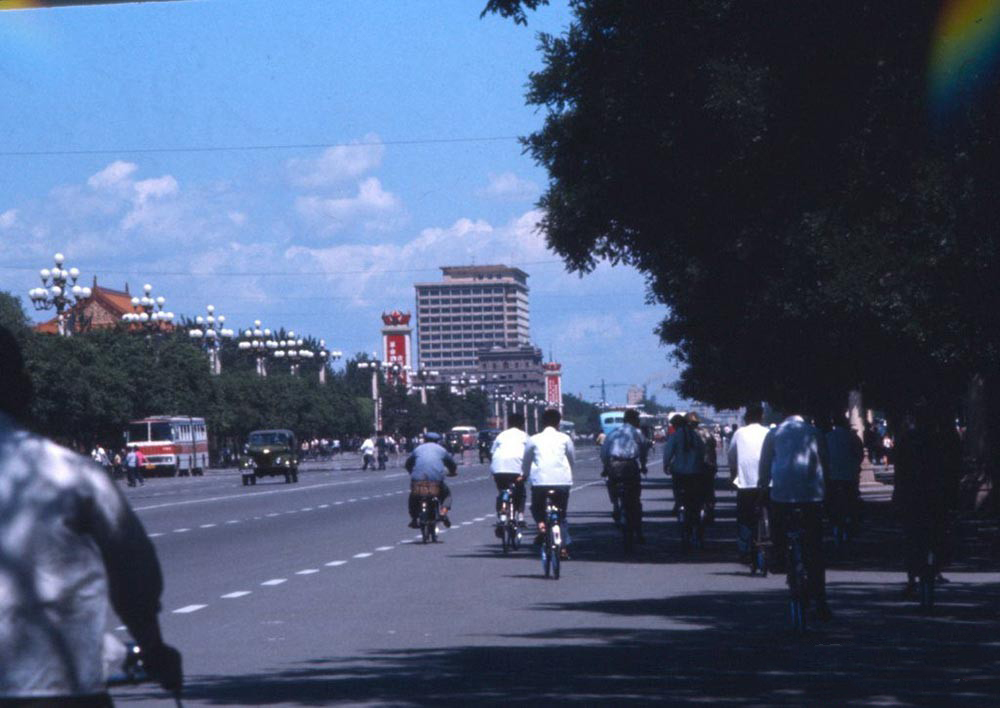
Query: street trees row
(88, 386)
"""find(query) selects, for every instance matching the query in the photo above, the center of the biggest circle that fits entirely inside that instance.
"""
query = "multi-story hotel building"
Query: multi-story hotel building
(473, 308)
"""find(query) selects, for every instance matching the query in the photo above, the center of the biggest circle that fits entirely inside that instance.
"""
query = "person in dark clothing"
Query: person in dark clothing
(926, 490)
(382, 449)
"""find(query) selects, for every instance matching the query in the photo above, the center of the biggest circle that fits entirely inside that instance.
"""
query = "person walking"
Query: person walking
(793, 467)
(744, 462)
(549, 459)
(368, 454)
(134, 462)
(70, 544)
(847, 452)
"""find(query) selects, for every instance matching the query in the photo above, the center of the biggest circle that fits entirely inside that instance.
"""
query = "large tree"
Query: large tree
(776, 171)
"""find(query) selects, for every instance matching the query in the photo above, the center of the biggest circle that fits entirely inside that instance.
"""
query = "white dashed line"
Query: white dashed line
(273, 513)
(351, 500)
(338, 503)
(233, 521)
(206, 526)
(385, 548)
(468, 523)
(120, 628)
(274, 581)
(154, 535)
(181, 530)
(334, 564)
(233, 595)
(307, 571)
(306, 508)
(362, 555)
(323, 506)
(187, 609)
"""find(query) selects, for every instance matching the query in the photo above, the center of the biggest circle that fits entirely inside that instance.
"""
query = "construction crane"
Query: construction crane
(604, 395)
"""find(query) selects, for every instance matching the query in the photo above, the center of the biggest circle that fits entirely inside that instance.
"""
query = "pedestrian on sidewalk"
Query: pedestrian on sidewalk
(69, 543)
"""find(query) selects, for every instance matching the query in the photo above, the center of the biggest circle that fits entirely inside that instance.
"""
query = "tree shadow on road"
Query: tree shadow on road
(729, 648)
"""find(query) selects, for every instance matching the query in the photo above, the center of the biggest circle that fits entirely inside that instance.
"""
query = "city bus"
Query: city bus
(612, 420)
(172, 444)
(469, 435)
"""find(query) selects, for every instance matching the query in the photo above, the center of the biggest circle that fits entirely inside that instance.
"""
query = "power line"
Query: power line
(251, 148)
(263, 273)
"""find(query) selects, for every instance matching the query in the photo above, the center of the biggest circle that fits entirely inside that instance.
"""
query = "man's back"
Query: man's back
(549, 458)
(624, 443)
(429, 462)
(58, 512)
(508, 451)
(794, 462)
(744, 450)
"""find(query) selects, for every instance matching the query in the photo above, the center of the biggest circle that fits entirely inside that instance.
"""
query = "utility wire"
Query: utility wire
(250, 148)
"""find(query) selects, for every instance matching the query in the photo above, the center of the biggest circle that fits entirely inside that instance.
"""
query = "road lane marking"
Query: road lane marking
(250, 495)
(232, 595)
(385, 548)
(362, 555)
(351, 500)
(307, 571)
(154, 535)
(334, 564)
(187, 609)
(274, 581)
(233, 521)
(207, 526)
(181, 530)
(306, 508)
(338, 503)
(468, 523)
(273, 513)
(323, 506)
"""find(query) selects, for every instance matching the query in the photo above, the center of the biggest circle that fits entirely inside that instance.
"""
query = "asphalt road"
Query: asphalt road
(316, 594)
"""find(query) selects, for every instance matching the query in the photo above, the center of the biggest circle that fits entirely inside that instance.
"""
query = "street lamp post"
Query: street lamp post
(294, 351)
(59, 285)
(422, 374)
(210, 333)
(326, 355)
(376, 365)
(258, 342)
(147, 312)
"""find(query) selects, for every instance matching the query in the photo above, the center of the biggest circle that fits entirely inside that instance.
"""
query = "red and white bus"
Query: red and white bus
(172, 444)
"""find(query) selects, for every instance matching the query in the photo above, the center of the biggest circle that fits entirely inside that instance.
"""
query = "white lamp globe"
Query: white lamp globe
(160, 300)
(199, 319)
(211, 309)
(147, 288)
(55, 290)
(144, 317)
(44, 272)
(74, 273)
(87, 292)
(59, 258)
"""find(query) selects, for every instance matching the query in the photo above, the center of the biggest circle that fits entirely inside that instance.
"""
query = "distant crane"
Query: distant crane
(604, 394)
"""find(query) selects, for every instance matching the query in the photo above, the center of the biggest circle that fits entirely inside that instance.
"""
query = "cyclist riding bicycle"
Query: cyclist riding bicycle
(684, 462)
(623, 455)
(507, 454)
(744, 462)
(549, 459)
(430, 462)
(793, 466)
(844, 491)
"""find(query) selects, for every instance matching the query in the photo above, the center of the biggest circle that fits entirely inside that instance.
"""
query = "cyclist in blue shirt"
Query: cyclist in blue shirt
(624, 455)
(430, 463)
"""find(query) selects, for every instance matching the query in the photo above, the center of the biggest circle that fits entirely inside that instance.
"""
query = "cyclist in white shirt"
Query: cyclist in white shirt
(744, 460)
(507, 454)
(548, 462)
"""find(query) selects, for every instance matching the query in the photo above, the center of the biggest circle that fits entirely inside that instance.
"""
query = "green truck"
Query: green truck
(269, 453)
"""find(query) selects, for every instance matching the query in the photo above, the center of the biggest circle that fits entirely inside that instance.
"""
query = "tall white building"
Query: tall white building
(473, 308)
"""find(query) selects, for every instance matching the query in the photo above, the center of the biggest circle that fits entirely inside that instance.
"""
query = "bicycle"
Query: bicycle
(510, 535)
(843, 513)
(629, 516)
(692, 523)
(798, 588)
(427, 519)
(552, 543)
(760, 547)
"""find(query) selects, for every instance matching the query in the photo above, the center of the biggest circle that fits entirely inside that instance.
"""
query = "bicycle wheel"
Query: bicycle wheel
(512, 539)
(927, 578)
(761, 561)
(546, 558)
(425, 530)
(555, 560)
(505, 538)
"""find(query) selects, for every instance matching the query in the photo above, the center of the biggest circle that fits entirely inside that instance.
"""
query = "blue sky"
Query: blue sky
(370, 144)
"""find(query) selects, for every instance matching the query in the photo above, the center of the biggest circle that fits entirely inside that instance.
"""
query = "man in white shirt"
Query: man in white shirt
(368, 453)
(68, 542)
(506, 456)
(744, 460)
(548, 462)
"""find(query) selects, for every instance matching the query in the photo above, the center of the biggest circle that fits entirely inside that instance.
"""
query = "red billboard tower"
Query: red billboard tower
(553, 385)
(396, 347)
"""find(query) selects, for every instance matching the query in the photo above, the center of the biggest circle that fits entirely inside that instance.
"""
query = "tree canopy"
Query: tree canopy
(811, 221)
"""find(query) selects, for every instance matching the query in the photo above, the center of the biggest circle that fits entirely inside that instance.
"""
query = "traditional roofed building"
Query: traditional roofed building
(103, 309)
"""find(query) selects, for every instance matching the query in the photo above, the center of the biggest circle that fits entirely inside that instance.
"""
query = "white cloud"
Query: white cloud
(508, 186)
(8, 219)
(372, 205)
(578, 329)
(337, 164)
(112, 176)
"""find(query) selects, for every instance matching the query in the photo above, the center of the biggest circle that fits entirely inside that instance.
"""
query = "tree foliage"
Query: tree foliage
(777, 173)
(88, 386)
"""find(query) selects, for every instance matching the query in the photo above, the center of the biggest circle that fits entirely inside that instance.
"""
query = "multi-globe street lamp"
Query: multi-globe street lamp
(257, 342)
(60, 293)
(462, 383)
(147, 312)
(294, 351)
(326, 355)
(376, 365)
(210, 331)
(422, 374)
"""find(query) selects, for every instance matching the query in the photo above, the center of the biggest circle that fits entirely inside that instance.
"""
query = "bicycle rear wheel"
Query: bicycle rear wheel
(555, 560)
(546, 559)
